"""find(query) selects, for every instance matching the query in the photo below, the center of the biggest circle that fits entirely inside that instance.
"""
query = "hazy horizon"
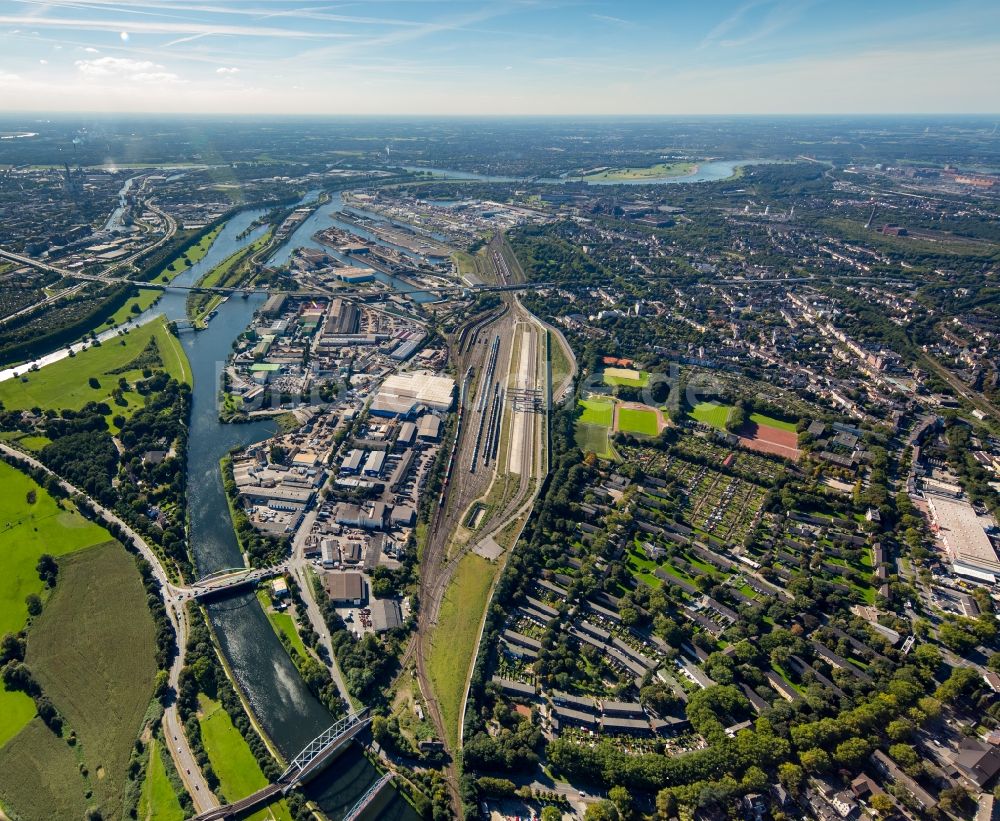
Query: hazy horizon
(505, 58)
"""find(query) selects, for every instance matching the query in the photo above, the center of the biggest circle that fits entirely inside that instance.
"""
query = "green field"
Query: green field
(561, 365)
(27, 531)
(770, 421)
(453, 642)
(625, 377)
(597, 412)
(283, 623)
(711, 413)
(65, 384)
(663, 170)
(238, 771)
(40, 776)
(633, 420)
(93, 651)
(158, 801)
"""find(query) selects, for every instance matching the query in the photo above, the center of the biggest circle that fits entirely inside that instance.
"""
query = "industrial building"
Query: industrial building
(402, 393)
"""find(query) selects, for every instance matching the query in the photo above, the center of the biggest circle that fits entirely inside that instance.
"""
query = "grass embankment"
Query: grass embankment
(233, 762)
(27, 530)
(66, 384)
(158, 801)
(283, 623)
(194, 254)
(663, 170)
(93, 652)
(453, 642)
(146, 298)
(561, 365)
(230, 273)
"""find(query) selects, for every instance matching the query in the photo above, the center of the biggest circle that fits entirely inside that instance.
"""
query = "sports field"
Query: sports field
(711, 413)
(626, 377)
(93, 652)
(454, 639)
(594, 438)
(597, 411)
(65, 384)
(638, 420)
(238, 771)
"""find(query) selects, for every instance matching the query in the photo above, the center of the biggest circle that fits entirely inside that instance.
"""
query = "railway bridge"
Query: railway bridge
(314, 758)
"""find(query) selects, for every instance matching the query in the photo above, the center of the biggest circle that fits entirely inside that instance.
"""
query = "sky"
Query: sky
(504, 57)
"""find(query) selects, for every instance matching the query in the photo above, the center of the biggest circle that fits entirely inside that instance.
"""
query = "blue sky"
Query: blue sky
(501, 56)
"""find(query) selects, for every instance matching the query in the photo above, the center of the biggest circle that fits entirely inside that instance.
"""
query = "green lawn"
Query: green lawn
(145, 298)
(453, 641)
(158, 801)
(283, 623)
(633, 420)
(561, 365)
(711, 413)
(770, 421)
(625, 377)
(65, 384)
(597, 411)
(642, 568)
(93, 652)
(238, 771)
(182, 262)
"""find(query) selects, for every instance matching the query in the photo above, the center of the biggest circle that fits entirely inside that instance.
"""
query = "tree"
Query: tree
(900, 729)
(882, 803)
(815, 760)
(94, 383)
(47, 569)
(551, 813)
(601, 811)
(852, 752)
(34, 604)
(622, 800)
(791, 777)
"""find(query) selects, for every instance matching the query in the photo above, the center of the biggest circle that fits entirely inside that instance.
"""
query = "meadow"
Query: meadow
(93, 651)
(65, 384)
(625, 377)
(158, 801)
(453, 642)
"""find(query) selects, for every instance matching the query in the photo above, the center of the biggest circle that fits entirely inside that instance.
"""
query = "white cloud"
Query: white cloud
(8, 78)
(91, 50)
(44, 62)
(227, 70)
(124, 68)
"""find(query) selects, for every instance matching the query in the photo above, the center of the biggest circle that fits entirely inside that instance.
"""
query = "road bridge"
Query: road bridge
(317, 754)
(230, 579)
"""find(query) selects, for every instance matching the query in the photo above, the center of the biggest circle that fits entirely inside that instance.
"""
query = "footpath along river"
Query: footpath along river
(281, 702)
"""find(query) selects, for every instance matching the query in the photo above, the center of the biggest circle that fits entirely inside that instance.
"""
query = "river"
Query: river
(286, 709)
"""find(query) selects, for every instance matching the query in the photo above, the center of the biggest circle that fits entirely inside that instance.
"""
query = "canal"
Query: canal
(286, 709)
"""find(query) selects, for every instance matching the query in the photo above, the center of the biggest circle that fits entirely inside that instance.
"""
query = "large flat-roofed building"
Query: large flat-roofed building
(964, 534)
(280, 497)
(344, 318)
(345, 588)
(402, 393)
